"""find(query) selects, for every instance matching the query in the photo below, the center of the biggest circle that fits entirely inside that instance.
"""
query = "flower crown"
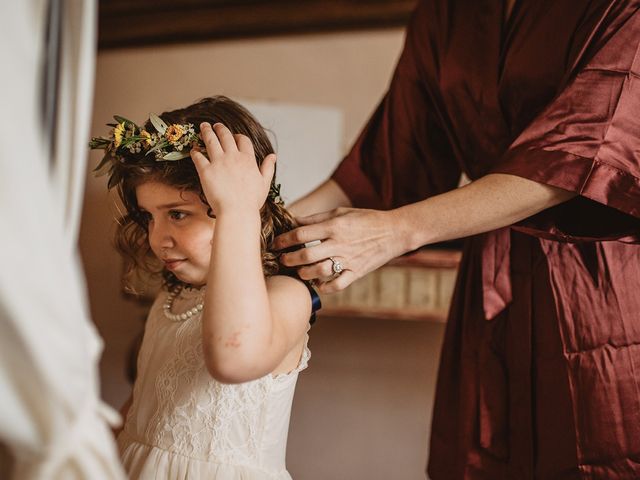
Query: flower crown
(168, 143)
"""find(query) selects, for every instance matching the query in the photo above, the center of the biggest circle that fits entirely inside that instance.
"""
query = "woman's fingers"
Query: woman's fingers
(359, 240)
(317, 217)
(313, 227)
(294, 237)
(320, 270)
(304, 234)
(338, 283)
(307, 256)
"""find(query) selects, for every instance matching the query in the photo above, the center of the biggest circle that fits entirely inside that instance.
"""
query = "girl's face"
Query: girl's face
(180, 231)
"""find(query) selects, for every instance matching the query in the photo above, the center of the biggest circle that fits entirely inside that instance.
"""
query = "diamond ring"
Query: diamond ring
(336, 266)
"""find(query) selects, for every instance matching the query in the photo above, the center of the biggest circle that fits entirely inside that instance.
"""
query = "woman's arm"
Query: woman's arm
(491, 202)
(325, 197)
(363, 240)
(249, 324)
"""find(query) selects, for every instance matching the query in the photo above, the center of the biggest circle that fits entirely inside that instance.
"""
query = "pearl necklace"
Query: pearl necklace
(179, 317)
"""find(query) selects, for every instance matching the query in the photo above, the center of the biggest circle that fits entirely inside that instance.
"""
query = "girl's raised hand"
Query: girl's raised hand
(230, 176)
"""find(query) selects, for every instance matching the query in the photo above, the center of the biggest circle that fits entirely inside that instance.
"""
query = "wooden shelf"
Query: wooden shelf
(414, 287)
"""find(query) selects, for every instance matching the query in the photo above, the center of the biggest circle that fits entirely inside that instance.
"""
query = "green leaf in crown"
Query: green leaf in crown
(170, 143)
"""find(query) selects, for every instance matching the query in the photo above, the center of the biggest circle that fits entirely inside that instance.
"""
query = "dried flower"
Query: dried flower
(118, 131)
(147, 137)
(174, 132)
(168, 143)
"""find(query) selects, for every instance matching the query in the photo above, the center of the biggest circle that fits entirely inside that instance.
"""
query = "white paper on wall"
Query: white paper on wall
(307, 139)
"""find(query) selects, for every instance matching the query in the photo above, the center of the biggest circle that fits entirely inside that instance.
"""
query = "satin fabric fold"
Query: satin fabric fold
(538, 371)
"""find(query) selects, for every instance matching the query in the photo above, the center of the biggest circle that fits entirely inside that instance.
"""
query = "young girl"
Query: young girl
(226, 337)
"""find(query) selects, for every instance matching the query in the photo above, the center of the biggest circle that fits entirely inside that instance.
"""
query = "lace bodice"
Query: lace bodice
(178, 407)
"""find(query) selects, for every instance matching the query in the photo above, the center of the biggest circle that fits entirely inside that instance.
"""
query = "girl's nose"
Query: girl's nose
(160, 237)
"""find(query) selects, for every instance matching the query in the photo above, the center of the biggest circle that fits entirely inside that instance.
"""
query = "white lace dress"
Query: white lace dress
(183, 424)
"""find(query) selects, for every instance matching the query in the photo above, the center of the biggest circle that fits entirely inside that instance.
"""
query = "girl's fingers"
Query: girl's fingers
(210, 140)
(225, 137)
(199, 160)
(244, 143)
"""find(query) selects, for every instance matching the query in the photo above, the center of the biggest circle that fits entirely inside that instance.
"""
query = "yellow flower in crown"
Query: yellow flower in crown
(174, 132)
(128, 143)
(118, 132)
(147, 137)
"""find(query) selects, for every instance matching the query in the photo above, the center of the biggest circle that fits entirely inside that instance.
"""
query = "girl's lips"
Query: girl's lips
(172, 264)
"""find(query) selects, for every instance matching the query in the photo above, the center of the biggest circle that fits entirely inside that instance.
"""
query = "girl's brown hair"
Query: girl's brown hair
(131, 237)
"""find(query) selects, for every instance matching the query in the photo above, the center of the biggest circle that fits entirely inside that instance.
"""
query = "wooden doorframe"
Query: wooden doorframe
(126, 23)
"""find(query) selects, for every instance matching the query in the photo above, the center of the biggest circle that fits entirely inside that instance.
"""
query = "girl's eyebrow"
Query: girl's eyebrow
(168, 206)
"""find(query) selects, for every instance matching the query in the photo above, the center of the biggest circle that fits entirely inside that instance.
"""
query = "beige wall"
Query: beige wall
(362, 409)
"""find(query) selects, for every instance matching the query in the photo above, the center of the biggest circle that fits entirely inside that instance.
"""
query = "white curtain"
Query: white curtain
(51, 418)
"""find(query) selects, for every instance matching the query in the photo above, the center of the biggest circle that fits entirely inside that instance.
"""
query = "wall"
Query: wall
(362, 409)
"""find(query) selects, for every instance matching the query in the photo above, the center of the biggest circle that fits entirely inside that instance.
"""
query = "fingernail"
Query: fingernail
(204, 125)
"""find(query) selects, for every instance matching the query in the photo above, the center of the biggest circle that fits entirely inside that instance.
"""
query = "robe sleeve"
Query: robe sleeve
(402, 155)
(587, 141)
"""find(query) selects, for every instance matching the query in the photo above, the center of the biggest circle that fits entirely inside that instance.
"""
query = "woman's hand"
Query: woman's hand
(230, 176)
(360, 240)
(363, 240)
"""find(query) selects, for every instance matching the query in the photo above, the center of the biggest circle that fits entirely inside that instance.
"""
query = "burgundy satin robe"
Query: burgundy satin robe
(540, 368)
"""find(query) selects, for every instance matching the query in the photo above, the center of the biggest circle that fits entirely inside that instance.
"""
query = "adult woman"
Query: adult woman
(539, 369)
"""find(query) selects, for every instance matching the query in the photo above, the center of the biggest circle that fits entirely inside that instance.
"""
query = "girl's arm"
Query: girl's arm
(363, 240)
(249, 324)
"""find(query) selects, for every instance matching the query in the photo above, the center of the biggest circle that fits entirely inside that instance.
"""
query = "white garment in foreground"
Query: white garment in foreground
(185, 425)
(52, 421)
